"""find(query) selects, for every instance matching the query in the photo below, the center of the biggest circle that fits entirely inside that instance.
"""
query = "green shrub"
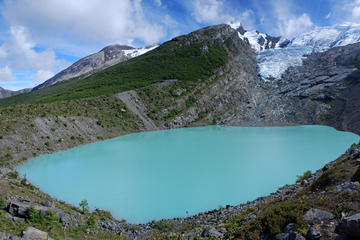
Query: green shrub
(13, 175)
(2, 203)
(300, 178)
(271, 221)
(331, 176)
(163, 226)
(84, 205)
(92, 221)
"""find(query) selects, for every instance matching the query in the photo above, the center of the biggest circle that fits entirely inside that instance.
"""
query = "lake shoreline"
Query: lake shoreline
(202, 219)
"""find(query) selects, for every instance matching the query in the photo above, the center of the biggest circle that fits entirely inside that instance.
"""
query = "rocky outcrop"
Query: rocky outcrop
(31, 233)
(137, 107)
(317, 215)
(350, 227)
(107, 57)
(4, 93)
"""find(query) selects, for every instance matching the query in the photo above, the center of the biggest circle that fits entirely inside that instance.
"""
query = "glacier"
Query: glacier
(273, 62)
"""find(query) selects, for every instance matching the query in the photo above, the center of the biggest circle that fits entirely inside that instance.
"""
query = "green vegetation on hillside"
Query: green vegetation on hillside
(172, 60)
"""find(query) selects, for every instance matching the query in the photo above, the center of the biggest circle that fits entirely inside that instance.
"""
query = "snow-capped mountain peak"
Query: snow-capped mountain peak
(257, 40)
(327, 37)
(276, 54)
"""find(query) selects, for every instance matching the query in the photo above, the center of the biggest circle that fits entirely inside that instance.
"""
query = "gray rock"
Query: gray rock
(31, 233)
(350, 226)
(211, 232)
(13, 218)
(315, 214)
(50, 204)
(4, 93)
(347, 186)
(25, 200)
(282, 236)
(18, 209)
(313, 234)
(295, 236)
(289, 228)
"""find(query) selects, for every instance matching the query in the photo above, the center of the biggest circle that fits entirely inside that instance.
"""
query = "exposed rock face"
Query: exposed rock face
(317, 215)
(107, 57)
(348, 187)
(4, 93)
(31, 233)
(350, 226)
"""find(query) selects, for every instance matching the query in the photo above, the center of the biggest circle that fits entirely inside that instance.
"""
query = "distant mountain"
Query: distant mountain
(107, 57)
(4, 93)
(276, 54)
(328, 37)
(320, 38)
(261, 41)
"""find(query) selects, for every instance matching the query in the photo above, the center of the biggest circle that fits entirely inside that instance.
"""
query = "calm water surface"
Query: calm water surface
(163, 174)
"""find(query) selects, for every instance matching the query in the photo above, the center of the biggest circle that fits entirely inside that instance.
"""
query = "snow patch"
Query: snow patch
(139, 51)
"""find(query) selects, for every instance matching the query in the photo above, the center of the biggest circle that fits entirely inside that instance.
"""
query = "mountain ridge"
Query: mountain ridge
(106, 57)
(4, 93)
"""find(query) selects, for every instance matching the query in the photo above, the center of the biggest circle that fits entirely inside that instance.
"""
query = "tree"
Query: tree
(84, 206)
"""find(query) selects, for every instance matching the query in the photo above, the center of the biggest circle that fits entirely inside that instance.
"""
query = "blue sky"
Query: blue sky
(39, 38)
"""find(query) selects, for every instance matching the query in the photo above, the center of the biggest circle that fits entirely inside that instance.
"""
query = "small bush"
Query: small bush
(301, 178)
(84, 206)
(163, 226)
(13, 175)
(92, 221)
(2, 203)
(331, 176)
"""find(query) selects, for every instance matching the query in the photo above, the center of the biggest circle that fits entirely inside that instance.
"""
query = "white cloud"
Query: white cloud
(41, 76)
(328, 16)
(6, 74)
(18, 54)
(295, 26)
(210, 11)
(85, 21)
(158, 3)
(216, 11)
(288, 24)
(355, 10)
(345, 11)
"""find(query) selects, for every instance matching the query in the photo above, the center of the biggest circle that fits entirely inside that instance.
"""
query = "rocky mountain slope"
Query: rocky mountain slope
(107, 57)
(4, 93)
(209, 76)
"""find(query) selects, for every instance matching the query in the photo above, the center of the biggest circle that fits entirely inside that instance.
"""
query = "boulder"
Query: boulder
(295, 236)
(8, 236)
(315, 214)
(50, 204)
(282, 236)
(212, 232)
(313, 234)
(289, 228)
(350, 226)
(347, 187)
(31, 233)
(18, 209)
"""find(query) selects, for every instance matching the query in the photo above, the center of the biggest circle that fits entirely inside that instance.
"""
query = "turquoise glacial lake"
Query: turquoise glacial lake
(175, 173)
